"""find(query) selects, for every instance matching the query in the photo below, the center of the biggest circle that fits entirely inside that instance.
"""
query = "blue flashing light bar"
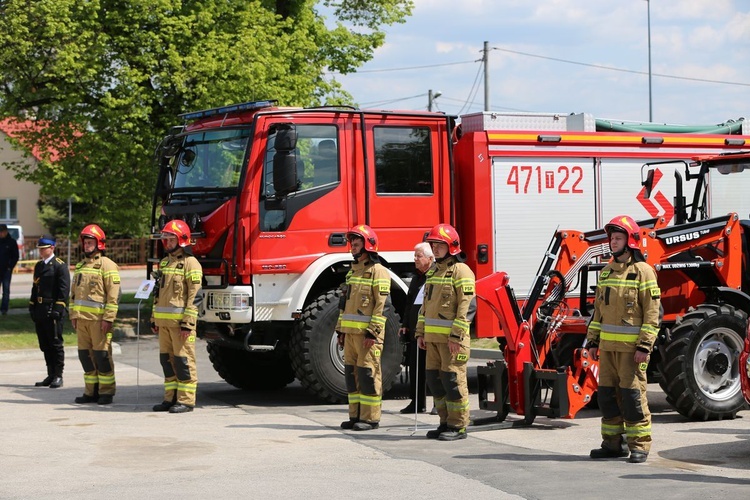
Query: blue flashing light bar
(245, 106)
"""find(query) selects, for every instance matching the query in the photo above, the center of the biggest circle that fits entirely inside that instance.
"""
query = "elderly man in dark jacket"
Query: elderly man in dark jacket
(8, 260)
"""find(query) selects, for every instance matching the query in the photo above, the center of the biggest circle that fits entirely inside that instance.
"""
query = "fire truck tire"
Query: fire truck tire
(318, 361)
(251, 371)
(700, 371)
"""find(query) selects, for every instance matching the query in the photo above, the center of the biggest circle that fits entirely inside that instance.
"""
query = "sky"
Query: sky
(567, 56)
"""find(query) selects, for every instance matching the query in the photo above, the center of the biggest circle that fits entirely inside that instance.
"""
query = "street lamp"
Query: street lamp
(431, 97)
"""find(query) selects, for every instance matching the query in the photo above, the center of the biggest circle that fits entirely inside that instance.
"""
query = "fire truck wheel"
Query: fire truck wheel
(318, 361)
(700, 371)
(251, 371)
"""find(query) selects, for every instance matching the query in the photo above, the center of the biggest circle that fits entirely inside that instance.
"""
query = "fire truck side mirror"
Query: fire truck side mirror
(284, 173)
(285, 179)
(648, 183)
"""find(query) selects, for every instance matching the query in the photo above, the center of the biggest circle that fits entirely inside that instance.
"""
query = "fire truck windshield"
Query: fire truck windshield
(211, 159)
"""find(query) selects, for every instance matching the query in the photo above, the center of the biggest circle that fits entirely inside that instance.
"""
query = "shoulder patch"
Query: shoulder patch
(59, 260)
(604, 273)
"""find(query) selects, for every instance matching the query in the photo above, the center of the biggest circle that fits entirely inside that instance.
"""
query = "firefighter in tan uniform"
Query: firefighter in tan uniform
(621, 335)
(443, 329)
(174, 318)
(95, 294)
(361, 329)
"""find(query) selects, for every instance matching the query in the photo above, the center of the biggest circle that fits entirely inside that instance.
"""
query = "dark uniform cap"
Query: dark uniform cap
(47, 240)
(3, 227)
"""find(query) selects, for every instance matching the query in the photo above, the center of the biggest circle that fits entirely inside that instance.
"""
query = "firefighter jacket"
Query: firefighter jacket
(179, 281)
(95, 291)
(50, 288)
(448, 302)
(368, 285)
(626, 308)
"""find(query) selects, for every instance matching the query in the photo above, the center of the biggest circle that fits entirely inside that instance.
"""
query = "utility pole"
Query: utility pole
(431, 97)
(485, 60)
(650, 107)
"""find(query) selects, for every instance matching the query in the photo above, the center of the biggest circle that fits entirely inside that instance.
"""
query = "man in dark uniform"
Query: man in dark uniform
(8, 260)
(48, 308)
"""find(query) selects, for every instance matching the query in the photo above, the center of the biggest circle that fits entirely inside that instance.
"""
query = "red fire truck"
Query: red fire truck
(269, 193)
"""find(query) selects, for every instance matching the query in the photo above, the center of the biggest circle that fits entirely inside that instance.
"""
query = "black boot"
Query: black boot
(44, 383)
(56, 382)
(435, 433)
(105, 399)
(180, 408)
(605, 452)
(366, 426)
(85, 399)
(163, 406)
(349, 424)
(453, 434)
(637, 457)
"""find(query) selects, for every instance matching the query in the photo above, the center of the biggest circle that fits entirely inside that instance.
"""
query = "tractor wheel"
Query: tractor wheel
(249, 370)
(317, 359)
(700, 371)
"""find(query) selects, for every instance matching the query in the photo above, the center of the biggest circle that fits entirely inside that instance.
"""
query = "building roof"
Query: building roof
(15, 128)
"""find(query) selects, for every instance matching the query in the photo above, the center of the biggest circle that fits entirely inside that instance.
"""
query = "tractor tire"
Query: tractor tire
(317, 359)
(700, 371)
(264, 371)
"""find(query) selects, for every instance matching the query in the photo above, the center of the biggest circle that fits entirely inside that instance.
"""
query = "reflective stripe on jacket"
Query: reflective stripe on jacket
(180, 277)
(95, 291)
(449, 290)
(368, 285)
(626, 308)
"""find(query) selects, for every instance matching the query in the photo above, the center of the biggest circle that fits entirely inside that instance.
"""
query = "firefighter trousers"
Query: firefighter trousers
(177, 358)
(623, 402)
(363, 378)
(95, 354)
(446, 379)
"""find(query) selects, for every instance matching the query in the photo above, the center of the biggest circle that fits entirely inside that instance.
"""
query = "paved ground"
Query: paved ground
(286, 444)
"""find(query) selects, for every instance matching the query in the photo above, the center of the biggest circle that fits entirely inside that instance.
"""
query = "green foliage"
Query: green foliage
(105, 79)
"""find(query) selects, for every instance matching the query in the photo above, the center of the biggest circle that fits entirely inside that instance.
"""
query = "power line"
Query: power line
(385, 70)
(610, 68)
(390, 101)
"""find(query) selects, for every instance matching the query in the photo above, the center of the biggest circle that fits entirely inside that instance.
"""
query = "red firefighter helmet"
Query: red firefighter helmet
(625, 224)
(179, 229)
(445, 233)
(95, 232)
(366, 233)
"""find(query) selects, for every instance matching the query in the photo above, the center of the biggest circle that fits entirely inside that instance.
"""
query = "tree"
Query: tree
(106, 79)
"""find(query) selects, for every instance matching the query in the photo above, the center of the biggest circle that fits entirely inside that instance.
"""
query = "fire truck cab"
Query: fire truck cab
(269, 194)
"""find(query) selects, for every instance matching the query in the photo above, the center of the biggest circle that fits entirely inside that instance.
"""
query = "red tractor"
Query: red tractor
(704, 276)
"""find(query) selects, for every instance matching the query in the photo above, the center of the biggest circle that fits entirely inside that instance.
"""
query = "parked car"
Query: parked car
(17, 233)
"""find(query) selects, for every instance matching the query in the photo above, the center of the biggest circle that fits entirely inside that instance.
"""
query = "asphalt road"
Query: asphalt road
(285, 444)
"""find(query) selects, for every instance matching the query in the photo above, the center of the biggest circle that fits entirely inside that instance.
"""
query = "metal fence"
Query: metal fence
(125, 252)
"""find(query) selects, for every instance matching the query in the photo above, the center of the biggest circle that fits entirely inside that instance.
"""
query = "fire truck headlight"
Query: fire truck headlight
(227, 301)
(194, 221)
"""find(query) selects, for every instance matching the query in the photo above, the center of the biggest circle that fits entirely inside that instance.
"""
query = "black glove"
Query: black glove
(57, 312)
(31, 312)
